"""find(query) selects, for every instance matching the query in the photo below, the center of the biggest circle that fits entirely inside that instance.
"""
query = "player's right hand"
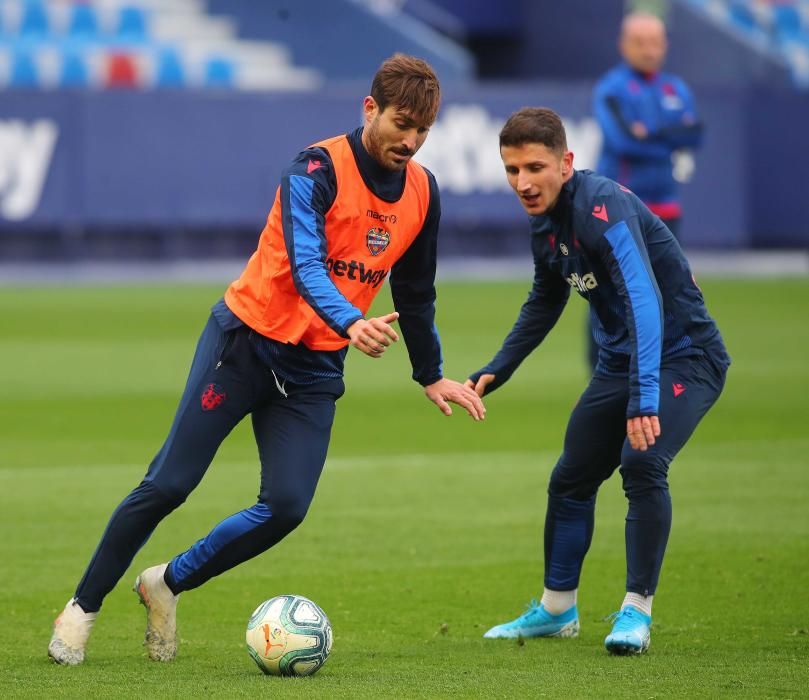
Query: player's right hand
(480, 387)
(642, 431)
(373, 335)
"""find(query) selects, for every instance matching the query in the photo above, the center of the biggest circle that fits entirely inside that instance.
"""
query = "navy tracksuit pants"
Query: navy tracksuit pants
(292, 426)
(596, 444)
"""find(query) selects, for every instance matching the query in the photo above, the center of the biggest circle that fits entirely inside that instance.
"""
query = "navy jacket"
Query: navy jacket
(601, 241)
(664, 105)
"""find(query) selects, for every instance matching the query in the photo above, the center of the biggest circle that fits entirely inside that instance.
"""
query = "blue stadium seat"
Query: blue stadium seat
(24, 72)
(742, 16)
(132, 24)
(83, 22)
(786, 21)
(219, 72)
(74, 72)
(170, 71)
(35, 21)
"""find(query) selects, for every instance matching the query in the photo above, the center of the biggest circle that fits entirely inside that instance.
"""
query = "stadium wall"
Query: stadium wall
(173, 161)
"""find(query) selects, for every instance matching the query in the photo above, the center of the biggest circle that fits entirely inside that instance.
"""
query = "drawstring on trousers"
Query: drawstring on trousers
(281, 386)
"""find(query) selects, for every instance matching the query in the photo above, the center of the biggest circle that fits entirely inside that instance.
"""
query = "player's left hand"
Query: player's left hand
(642, 432)
(446, 391)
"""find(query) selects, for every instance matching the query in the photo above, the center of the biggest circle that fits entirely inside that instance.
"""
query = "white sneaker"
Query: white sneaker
(70, 633)
(161, 613)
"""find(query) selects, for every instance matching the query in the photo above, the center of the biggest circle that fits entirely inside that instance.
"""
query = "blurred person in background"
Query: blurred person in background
(647, 118)
(649, 124)
(662, 365)
(350, 210)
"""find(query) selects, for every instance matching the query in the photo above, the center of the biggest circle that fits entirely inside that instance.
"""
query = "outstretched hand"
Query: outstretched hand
(642, 431)
(480, 387)
(373, 335)
(446, 391)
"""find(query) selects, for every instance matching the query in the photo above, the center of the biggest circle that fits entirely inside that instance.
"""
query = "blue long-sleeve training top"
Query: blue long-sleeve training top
(601, 241)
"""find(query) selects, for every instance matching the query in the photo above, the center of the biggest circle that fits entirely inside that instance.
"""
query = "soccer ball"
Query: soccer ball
(289, 635)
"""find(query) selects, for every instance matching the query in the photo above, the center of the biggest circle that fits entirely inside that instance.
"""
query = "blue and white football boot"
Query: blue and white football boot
(630, 632)
(538, 622)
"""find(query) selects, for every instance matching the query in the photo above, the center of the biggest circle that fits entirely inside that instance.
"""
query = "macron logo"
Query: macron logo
(677, 388)
(313, 165)
(600, 212)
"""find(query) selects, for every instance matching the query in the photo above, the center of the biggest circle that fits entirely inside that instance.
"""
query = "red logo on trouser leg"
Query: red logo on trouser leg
(213, 397)
(677, 388)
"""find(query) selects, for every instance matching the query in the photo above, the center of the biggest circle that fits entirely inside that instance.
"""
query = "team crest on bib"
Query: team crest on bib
(377, 239)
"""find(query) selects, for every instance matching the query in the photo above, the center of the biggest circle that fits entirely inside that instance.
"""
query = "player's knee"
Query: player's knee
(641, 472)
(174, 494)
(164, 497)
(288, 512)
(564, 484)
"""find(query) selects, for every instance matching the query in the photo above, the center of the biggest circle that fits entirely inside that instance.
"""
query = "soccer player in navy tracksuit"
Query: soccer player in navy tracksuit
(350, 211)
(661, 366)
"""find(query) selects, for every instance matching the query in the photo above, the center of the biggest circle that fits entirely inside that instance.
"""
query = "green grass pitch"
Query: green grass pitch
(425, 530)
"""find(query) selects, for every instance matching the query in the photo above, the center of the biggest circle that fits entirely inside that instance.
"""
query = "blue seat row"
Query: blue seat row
(782, 21)
(35, 23)
(780, 28)
(75, 71)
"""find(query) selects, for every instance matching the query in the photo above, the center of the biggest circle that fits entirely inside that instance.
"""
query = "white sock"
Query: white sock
(641, 602)
(556, 602)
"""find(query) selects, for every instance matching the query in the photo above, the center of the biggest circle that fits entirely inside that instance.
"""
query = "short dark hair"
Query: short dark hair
(535, 125)
(409, 84)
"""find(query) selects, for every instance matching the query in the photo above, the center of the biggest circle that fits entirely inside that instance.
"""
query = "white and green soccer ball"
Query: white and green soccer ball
(289, 635)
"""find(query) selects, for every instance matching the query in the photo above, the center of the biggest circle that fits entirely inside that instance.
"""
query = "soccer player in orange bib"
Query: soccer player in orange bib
(350, 212)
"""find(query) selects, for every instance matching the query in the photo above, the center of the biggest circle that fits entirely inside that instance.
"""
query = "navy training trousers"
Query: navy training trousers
(292, 427)
(596, 444)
